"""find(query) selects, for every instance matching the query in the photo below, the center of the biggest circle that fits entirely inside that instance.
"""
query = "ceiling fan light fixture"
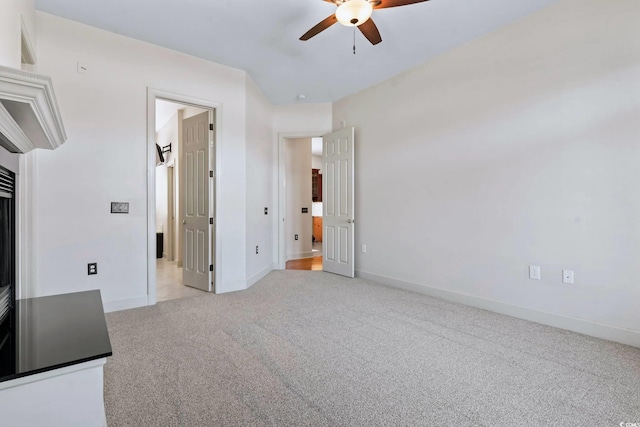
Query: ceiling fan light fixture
(352, 13)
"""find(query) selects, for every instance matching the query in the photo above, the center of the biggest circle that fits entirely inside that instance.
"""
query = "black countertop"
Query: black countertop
(52, 332)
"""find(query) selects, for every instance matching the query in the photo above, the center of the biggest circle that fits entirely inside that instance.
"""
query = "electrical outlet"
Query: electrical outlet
(256, 249)
(534, 272)
(567, 276)
(364, 248)
(92, 268)
(296, 237)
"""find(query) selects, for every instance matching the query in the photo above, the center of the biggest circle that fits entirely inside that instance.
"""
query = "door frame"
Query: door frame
(215, 115)
(171, 209)
(281, 249)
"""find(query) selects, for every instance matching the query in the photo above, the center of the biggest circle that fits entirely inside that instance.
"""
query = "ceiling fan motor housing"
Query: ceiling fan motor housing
(357, 13)
(352, 13)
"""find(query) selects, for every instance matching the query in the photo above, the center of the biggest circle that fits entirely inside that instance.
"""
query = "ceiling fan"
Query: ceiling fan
(357, 13)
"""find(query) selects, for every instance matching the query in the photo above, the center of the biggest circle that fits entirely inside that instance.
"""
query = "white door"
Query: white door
(195, 166)
(337, 202)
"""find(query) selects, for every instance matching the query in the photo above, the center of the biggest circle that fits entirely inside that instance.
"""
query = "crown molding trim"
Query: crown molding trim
(29, 113)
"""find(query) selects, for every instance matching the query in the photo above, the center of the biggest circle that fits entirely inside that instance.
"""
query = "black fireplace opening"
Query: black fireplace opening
(7, 267)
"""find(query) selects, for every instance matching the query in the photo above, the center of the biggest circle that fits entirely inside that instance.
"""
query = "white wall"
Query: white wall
(312, 118)
(260, 165)
(105, 158)
(161, 199)
(28, 14)
(518, 148)
(11, 14)
(316, 162)
(298, 189)
(190, 111)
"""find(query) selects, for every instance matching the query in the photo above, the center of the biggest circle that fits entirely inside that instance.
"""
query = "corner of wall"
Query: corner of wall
(259, 276)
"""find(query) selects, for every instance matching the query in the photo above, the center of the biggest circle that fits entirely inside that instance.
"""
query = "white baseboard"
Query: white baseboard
(302, 255)
(126, 304)
(586, 327)
(253, 279)
(231, 286)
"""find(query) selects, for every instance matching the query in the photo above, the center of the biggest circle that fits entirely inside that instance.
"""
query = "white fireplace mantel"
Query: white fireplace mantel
(29, 114)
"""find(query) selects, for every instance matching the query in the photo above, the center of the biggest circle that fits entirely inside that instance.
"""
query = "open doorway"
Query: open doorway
(303, 228)
(338, 197)
(184, 136)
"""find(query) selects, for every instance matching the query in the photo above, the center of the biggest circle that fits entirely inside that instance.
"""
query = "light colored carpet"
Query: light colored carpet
(304, 348)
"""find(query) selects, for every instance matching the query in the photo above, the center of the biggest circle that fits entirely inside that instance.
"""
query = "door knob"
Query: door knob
(349, 221)
(184, 221)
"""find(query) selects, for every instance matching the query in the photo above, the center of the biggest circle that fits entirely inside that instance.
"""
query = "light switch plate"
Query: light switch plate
(120, 207)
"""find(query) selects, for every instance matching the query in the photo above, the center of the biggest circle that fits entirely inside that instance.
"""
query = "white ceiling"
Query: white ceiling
(261, 37)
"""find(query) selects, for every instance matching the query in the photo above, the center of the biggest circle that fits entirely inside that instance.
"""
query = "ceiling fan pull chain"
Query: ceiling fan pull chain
(354, 40)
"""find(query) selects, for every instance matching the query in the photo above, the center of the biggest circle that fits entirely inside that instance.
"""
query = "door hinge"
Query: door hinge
(210, 126)
(210, 174)
(210, 267)
(211, 221)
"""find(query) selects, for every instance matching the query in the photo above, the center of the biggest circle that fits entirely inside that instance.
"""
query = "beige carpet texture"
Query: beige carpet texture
(304, 348)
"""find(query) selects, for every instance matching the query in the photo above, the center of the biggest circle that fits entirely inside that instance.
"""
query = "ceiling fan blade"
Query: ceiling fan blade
(323, 25)
(370, 31)
(394, 3)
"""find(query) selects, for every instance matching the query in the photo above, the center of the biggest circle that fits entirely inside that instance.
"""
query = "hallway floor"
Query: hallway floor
(313, 263)
(169, 282)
